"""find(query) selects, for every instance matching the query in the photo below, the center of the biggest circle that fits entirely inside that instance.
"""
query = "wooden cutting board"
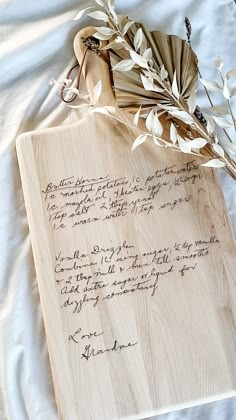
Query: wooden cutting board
(136, 267)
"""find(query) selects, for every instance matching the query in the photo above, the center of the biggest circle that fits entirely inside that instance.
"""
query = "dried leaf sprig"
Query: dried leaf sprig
(147, 84)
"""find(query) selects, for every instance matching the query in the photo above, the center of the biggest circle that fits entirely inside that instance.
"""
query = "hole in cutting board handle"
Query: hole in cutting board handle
(90, 41)
(94, 67)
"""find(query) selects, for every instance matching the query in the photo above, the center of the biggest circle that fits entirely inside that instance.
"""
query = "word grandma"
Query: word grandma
(89, 351)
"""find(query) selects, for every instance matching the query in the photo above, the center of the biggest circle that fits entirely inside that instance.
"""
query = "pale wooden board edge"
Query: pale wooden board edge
(44, 272)
(179, 407)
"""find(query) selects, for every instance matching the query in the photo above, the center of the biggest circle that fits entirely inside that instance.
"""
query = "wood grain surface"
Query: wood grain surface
(136, 267)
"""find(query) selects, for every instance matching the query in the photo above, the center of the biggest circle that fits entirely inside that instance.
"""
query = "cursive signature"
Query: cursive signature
(78, 334)
(89, 351)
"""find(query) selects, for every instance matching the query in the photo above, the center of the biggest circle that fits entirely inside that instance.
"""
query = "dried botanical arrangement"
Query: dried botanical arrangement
(155, 77)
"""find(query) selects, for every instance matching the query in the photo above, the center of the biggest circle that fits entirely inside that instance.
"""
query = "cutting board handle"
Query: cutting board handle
(94, 68)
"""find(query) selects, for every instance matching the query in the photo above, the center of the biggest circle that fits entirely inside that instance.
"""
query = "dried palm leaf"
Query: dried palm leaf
(155, 75)
(169, 52)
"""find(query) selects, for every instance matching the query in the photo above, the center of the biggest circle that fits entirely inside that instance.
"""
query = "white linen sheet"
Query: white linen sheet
(37, 44)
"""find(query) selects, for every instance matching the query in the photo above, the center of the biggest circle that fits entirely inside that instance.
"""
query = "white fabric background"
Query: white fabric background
(36, 44)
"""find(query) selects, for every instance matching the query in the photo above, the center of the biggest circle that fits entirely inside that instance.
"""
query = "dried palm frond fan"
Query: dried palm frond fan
(170, 86)
(170, 54)
(155, 76)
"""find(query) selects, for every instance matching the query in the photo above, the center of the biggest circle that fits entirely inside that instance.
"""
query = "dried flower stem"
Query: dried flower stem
(189, 131)
(197, 125)
(167, 143)
(230, 108)
(188, 29)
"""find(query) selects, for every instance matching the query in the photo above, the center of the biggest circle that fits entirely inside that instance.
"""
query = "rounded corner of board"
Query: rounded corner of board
(21, 139)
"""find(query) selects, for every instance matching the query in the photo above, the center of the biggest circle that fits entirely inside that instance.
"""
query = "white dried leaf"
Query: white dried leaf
(81, 12)
(112, 9)
(138, 39)
(113, 45)
(163, 72)
(100, 2)
(148, 54)
(210, 124)
(221, 122)
(105, 30)
(99, 16)
(103, 37)
(153, 124)
(191, 101)
(97, 91)
(139, 140)
(220, 111)
(226, 91)
(219, 63)
(149, 85)
(198, 143)
(218, 149)
(157, 127)
(124, 65)
(136, 117)
(127, 26)
(211, 85)
(184, 146)
(231, 74)
(149, 120)
(138, 59)
(175, 89)
(214, 163)
(182, 116)
(173, 133)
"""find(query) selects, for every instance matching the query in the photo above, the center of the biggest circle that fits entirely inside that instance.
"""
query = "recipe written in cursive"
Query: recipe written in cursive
(77, 201)
(85, 279)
